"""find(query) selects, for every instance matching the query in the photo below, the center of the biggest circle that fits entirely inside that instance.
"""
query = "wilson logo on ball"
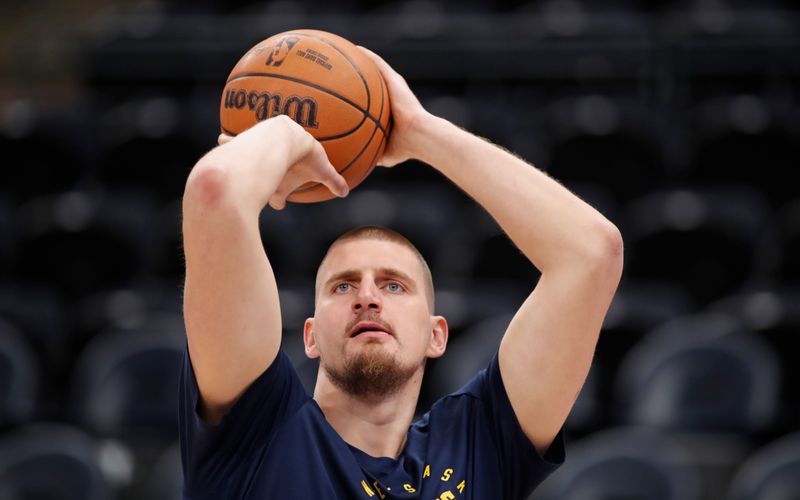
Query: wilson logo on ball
(265, 105)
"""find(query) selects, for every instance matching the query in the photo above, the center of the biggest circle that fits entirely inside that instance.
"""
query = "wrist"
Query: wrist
(426, 137)
(283, 137)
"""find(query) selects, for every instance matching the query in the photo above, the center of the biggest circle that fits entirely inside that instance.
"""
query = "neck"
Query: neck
(375, 425)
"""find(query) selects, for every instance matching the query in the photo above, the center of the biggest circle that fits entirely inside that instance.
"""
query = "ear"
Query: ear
(439, 335)
(309, 340)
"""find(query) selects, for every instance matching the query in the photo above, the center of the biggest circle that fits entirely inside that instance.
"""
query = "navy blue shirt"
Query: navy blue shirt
(275, 443)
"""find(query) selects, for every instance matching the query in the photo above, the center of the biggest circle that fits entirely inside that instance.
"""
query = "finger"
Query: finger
(277, 202)
(336, 183)
(339, 186)
(278, 198)
(329, 176)
(223, 139)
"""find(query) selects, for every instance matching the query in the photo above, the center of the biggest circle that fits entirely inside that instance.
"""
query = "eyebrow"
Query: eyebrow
(351, 274)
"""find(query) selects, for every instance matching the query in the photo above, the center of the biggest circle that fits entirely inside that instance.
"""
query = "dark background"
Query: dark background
(679, 120)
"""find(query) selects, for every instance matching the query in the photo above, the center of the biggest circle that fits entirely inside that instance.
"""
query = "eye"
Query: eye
(394, 287)
(342, 287)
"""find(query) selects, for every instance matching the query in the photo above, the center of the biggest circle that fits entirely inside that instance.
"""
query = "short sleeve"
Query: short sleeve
(212, 454)
(523, 467)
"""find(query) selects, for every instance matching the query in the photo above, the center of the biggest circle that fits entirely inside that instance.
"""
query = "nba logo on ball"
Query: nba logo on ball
(281, 50)
(324, 83)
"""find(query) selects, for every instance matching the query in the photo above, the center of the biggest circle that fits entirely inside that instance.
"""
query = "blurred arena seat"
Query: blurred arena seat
(773, 314)
(288, 241)
(624, 463)
(637, 308)
(498, 260)
(710, 241)
(50, 461)
(125, 386)
(50, 150)
(147, 305)
(19, 377)
(495, 274)
(83, 241)
(771, 473)
(165, 481)
(747, 139)
(150, 147)
(169, 258)
(700, 373)
(38, 312)
(609, 141)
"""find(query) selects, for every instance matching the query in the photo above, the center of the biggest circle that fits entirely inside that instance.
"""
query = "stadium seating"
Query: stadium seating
(706, 241)
(773, 314)
(677, 120)
(771, 473)
(19, 377)
(624, 463)
(125, 385)
(51, 461)
(700, 372)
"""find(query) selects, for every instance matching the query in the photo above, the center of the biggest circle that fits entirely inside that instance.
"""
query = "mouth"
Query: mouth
(368, 327)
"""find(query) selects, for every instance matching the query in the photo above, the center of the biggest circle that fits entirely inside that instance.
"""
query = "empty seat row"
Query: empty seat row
(711, 241)
(637, 462)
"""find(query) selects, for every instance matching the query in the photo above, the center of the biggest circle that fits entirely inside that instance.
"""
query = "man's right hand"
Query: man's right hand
(311, 164)
(306, 160)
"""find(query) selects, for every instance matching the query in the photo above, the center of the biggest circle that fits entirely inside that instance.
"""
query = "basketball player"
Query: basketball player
(248, 428)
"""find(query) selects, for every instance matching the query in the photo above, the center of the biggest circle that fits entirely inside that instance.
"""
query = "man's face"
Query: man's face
(372, 327)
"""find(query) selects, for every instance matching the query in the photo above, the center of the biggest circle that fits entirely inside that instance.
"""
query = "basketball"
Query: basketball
(324, 83)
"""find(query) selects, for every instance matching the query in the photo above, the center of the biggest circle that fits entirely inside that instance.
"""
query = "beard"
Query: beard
(370, 373)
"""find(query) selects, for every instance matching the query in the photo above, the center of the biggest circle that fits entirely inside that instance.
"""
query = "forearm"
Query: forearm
(546, 221)
(245, 171)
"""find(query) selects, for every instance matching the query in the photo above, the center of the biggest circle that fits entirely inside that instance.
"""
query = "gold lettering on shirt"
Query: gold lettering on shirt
(447, 495)
(446, 474)
(366, 488)
(461, 486)
(427, 471)
(378, 489)
(409, 488)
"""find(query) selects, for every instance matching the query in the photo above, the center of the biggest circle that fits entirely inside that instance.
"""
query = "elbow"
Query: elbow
(612, 244)
(208, 185)
(607, 252)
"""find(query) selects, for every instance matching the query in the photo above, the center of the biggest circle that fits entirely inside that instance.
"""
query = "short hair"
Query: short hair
(384, 234)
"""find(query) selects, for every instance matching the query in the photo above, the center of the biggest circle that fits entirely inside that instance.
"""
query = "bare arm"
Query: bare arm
(231, 306)
(547, 350)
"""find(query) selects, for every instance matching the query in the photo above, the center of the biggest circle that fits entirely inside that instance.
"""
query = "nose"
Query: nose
(367, 298)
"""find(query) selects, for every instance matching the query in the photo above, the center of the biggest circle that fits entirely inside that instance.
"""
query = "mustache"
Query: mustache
(369, 316)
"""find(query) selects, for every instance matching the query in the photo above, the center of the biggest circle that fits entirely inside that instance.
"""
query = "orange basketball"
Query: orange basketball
(327, 85)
